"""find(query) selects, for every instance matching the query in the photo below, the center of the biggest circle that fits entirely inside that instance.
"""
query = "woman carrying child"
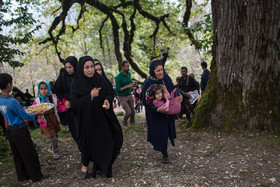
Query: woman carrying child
(49, 124)
(161, 126)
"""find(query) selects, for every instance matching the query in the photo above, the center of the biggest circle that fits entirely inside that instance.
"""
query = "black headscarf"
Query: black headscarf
(19, 93)
(64, 81)
(96, 62)
(83, 85)
(98, 131)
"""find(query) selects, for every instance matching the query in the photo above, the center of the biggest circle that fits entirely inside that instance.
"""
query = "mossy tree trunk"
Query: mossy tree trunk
(244, 86)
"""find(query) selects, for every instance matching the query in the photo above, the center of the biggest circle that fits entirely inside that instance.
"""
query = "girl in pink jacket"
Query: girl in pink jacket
(50, 123)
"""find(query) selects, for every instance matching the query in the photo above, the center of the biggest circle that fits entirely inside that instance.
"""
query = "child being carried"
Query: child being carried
(158, 95)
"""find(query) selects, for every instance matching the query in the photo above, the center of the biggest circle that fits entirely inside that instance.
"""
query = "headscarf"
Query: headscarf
(19, 93)
(83, 85)
(150, 93)
(44, 98)
(152, 73)
(73, 61)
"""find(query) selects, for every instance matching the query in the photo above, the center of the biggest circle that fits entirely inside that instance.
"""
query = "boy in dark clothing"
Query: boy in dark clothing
(25, 156)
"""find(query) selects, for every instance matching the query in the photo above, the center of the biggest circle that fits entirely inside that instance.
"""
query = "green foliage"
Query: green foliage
(15, 22)
(4, 146)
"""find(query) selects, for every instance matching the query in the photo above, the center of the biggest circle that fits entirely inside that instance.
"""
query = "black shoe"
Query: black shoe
(165, 160)
(45, 176)
(84, 174)
(23, 179)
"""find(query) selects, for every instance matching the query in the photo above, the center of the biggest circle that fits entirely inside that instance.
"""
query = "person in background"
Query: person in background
(26, 159)
(187, 84)
(124, 86)
(17, 93)
(27, 95)
(177, 82)
(63, 92)
(204, 77)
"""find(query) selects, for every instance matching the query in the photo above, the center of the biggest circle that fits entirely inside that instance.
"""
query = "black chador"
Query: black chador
(98, 130)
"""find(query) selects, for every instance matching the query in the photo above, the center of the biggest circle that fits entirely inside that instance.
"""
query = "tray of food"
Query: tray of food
(40, 107)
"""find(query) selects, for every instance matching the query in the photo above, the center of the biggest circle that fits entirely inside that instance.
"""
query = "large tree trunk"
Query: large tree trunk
(243, 90)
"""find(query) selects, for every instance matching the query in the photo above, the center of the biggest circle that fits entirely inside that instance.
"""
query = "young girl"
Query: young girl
(49, 124)
(158, 95)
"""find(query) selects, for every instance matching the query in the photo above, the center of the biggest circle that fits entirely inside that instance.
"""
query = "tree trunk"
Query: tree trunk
(243, 89)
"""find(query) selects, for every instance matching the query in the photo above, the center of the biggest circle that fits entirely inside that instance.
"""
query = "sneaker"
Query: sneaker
(125, 123)
(50, 150)
(165, 160)
(56, 156)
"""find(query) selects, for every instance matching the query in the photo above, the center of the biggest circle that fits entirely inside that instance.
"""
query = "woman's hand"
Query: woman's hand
(162, 109)
(163, 88)
(67, 104)
(95, 92)
(179, 98)
(106, 104)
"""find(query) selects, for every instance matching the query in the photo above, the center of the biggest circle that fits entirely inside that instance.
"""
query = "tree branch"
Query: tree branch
(186, 23)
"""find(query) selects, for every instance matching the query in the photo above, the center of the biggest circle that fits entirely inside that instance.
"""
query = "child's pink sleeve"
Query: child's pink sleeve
(34, 103)
(60, 108)
(168, 95)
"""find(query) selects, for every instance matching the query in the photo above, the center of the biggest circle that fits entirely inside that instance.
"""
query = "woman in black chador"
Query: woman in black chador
(98, 131)
(63, 91)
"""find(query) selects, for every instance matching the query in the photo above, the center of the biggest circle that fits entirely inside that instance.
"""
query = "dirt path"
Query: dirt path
(204, 158)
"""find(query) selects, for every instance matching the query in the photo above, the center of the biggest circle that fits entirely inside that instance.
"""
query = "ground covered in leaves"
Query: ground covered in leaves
(200, 158)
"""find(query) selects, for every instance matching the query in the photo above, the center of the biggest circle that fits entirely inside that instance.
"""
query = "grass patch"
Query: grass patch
(134, 128)
(9, 182)
(269, 140)
(7, 162)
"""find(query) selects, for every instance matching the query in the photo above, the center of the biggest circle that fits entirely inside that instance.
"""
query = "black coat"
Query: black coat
(98, 130)
(160, 126)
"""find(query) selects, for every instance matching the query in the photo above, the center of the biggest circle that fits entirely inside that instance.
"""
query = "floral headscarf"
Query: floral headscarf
(150, 93)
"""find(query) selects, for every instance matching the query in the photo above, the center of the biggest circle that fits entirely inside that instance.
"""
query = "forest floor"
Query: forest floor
(207, 157)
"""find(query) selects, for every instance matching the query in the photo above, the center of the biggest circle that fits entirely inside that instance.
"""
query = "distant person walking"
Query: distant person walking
(204, 77)
(124, 86)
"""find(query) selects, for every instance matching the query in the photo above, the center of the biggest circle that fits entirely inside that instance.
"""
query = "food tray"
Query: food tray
(40, 107)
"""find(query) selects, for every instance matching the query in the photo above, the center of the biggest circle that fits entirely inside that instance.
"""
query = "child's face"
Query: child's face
(158, 95)
(43, 89)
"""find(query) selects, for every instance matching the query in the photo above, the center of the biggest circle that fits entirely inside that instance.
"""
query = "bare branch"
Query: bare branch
(100, 31)
(186, 22)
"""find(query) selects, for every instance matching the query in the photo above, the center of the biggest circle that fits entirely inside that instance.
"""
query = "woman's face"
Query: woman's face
(158, 94)
(69, 68)
(98, 69)
(89, 69)
(159, 72)
(43, 89)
